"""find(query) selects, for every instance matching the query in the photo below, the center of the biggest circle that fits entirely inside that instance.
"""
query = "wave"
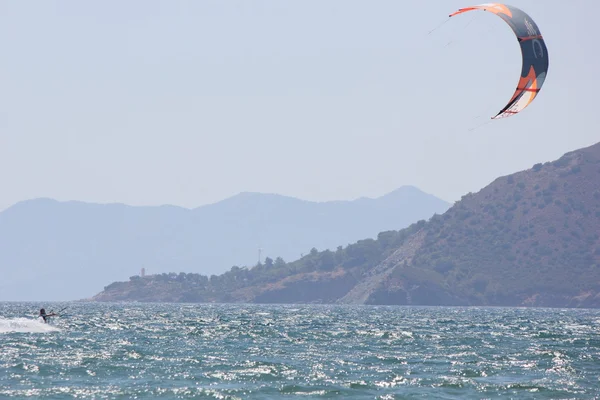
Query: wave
(25, 325)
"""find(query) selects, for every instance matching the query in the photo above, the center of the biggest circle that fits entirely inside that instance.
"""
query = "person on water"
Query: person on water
(46, 316)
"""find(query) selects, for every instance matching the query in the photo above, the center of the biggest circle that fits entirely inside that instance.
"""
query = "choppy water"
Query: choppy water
(123, 351)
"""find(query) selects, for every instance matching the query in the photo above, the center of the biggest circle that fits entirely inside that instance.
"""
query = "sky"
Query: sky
(190, 102)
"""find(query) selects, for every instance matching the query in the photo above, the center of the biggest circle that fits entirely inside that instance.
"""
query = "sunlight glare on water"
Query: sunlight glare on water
(313, 351)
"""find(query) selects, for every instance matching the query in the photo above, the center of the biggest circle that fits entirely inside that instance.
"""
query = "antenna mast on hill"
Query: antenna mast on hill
(259, 250)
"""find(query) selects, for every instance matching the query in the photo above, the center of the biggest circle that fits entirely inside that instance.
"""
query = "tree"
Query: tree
(279, 263)
(268, 263)
(326, 261)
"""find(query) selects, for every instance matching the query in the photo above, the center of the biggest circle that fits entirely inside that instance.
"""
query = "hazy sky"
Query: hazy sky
(189, 102)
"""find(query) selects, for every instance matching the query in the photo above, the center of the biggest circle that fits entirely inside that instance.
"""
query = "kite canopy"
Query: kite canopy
(533, 49)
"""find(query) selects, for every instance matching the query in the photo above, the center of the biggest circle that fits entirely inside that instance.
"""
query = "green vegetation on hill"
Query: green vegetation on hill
(525, 237)
(355, 259)
(530, 238)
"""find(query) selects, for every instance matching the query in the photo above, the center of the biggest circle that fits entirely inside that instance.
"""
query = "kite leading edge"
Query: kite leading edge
(533, 50)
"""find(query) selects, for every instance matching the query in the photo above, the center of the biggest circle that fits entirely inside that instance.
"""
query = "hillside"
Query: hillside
(52, 250)
(527, 239)
(531, 238)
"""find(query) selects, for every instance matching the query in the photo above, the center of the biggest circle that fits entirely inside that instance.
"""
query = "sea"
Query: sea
(227, 351)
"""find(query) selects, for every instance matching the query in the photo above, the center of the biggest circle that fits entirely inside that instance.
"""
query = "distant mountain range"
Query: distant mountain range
(52, 250)
(528, 239)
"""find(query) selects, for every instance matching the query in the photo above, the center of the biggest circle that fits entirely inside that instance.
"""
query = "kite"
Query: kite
(533, 50)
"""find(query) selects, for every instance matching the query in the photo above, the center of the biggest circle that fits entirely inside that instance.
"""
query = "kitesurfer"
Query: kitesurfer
(46, 316)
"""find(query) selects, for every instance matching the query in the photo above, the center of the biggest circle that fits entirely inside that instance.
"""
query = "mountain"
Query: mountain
(527, 239)
(52, 250)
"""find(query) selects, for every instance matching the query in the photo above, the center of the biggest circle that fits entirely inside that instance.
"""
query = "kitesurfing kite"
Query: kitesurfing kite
(533, 50)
